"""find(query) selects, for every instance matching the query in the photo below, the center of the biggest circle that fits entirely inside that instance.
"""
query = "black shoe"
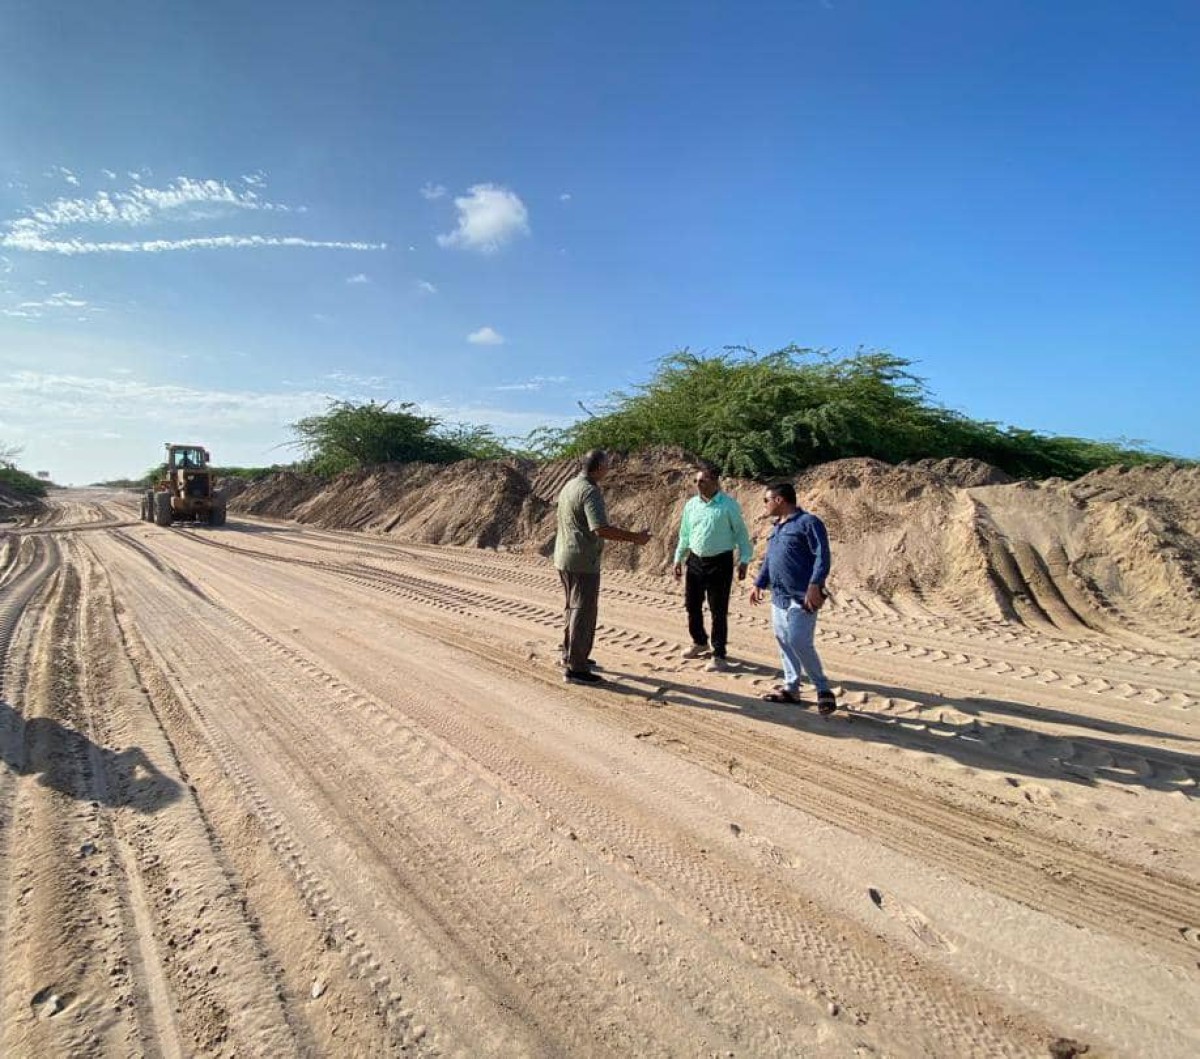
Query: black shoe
(591, 663)
(582, 676)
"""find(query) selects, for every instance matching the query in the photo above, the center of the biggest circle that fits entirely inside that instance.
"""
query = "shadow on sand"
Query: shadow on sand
(67, 761)
(1078, 757)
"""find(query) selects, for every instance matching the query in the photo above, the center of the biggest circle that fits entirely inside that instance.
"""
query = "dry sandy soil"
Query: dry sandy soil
(278, 788)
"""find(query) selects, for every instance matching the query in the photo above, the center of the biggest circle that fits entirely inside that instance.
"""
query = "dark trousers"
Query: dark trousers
(582, 600)
(709, 577)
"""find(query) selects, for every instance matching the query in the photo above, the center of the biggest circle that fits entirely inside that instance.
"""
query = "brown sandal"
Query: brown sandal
(782, 695)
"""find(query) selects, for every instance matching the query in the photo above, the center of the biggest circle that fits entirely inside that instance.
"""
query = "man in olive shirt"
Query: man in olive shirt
(711, 529)
(582, 530)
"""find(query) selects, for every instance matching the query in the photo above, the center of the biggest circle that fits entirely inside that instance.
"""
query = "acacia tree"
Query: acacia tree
(362, 435)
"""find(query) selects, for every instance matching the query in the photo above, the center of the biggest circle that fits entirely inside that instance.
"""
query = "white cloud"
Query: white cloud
(535, 383)
(47, 228)
(72, 247)
(62, 299)
(503, 420)
(565, 197)
(366, 382)
(488, 217)
(57, 416)
(79, 399)
(108, 174)
(65, 173)
(486, 336)
(35, 310)
(144, 205)
(433, 192)
(358, 277)
(426, 287)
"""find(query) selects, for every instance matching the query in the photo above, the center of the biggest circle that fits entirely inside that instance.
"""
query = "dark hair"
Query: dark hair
(783, 489)
(593, 459)
(708, 468)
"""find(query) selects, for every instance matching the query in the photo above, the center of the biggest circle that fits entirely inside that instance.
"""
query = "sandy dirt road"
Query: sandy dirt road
(269, 790)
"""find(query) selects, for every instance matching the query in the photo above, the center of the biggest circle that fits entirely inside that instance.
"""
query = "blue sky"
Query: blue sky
(214, 218)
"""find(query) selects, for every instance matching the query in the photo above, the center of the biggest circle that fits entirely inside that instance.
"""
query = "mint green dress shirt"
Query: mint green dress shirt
(710, 527)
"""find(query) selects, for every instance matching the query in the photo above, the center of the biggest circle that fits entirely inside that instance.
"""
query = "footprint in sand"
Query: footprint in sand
(911, 918)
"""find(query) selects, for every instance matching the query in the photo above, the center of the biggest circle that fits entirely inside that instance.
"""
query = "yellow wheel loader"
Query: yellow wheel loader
(186, 491)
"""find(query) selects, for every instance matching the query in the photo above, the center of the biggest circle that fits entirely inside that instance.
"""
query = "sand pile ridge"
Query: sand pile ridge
(1115, 552)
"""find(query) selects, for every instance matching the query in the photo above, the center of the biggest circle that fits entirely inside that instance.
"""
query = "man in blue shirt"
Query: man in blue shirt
(794, 569)
(711, 528)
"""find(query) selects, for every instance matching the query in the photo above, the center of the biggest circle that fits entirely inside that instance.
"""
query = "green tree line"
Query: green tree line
(752, 415)
(773, 414)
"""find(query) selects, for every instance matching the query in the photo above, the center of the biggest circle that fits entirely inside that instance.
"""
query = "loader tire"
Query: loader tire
(162, 509)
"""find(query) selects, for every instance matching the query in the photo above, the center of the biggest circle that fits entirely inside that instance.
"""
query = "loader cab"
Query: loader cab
(186, 457)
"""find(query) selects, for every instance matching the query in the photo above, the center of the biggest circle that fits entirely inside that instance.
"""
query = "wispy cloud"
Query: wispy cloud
(503, 420)
(358, 277)
(565, 197)
(144, 205)
(365, 382)
(426, 287)
(486, 336)
(64, 173)
(135, 416)
(79, 398)
(158, 246)
(538, 382)
(49, 228)
(59, 302)
(433, 192)
(488, 217)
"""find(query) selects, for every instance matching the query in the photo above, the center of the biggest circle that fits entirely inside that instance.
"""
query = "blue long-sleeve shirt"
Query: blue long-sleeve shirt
(797, 556)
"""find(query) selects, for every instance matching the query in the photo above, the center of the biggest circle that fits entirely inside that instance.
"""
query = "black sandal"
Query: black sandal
(783, 695)
(826, 703)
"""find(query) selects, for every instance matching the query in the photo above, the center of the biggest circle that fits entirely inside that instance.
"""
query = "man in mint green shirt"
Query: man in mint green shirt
(711, 530)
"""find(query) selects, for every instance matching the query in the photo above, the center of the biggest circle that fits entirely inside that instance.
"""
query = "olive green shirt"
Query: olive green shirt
(578, 547)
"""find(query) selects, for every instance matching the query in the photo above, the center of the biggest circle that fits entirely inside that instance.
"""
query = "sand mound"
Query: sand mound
(1115, 551)
(964, 472)
(481, 503)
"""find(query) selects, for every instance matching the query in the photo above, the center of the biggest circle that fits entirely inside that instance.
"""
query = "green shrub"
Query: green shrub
(363, 435)
(21, 483)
